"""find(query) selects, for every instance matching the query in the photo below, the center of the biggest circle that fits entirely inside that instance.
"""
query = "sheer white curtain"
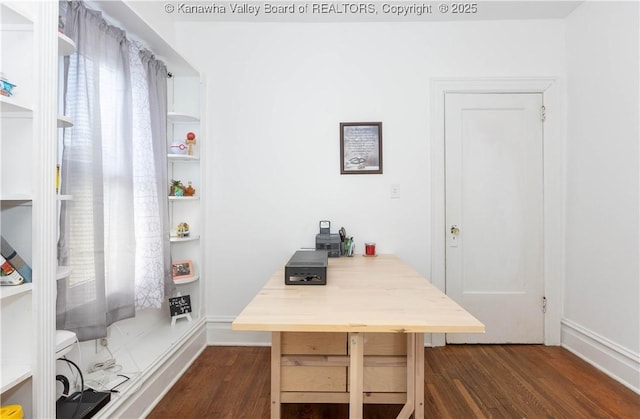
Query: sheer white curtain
(152, 273)
(113, 232)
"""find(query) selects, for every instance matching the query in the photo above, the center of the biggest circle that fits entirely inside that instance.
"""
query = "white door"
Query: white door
(494, 213)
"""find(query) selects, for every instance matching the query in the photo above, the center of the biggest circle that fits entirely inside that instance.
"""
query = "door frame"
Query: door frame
(553, 184)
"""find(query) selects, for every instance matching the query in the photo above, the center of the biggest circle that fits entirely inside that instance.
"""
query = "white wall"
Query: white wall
(602, 274)
(277, 93)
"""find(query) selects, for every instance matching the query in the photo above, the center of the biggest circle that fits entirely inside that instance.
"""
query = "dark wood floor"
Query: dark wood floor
(493, 381)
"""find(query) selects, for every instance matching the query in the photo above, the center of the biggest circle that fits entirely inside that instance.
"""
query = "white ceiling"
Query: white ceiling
(154, 25)
(156, 11)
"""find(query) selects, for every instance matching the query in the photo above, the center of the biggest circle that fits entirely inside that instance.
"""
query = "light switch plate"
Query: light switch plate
(395, 191)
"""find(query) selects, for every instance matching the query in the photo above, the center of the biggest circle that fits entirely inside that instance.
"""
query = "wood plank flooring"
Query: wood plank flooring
(461, 381)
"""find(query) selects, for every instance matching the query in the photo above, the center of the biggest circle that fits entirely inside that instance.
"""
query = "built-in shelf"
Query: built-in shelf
(176, 117)
(66, 46)
(62, 272)
(10, 16)
(184, 198)
(183, 158)
(64, 122)
(16, 29)
(7, 291)
(15, 199)
(64, 341)
(186, 280)
(175, 239)
(13, 375)
(9, 105)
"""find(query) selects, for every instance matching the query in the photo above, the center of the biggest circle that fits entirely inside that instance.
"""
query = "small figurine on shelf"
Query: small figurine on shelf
(183, 230)
(6, 87)
(176, 189)
(190, 141)
(178, 147)
(189, 190)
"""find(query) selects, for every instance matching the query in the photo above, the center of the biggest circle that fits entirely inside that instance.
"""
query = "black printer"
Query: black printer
(327, 241)
(307, 267)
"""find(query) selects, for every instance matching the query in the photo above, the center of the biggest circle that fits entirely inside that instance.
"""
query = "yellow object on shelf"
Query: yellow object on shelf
(57, 178)
(13, 411)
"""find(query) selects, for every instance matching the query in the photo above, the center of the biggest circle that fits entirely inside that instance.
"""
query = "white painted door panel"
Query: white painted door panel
(494, 198)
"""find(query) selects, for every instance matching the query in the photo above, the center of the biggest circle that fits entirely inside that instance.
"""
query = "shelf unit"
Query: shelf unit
(6, 292)
(16, 219)
(31, 47)
(186, 280)
(183, 92)
(64, 122)
(16, 199)
(63, 272)
(12, 375)
(182, 158)
(66, 47)
(178, 117)
(184, 198)
(11, 105)
(176, 239)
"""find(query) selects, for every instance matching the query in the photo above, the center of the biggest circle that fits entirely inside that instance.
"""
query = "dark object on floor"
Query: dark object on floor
(90, 404)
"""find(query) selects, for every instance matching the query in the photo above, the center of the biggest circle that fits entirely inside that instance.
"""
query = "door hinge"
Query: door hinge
(544, 304)
(543, 113)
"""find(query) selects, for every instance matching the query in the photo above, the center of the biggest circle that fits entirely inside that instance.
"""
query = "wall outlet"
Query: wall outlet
(395, 191)
(101, 344)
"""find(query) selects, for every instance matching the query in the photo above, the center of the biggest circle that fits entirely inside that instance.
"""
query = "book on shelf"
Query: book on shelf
(8, 275)
(10, 254)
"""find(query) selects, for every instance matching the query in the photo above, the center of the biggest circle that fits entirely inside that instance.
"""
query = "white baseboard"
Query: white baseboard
(219, 333)
(148, 389)
(614, 360)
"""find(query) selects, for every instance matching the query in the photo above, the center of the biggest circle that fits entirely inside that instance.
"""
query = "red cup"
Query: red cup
(370, 249)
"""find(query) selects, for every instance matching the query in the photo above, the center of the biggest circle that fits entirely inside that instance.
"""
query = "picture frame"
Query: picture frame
(360, 148)
(182, 269)
(180, 305)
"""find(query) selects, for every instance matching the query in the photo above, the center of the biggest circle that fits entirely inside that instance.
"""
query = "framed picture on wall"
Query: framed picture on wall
(360, 148)
(182, 269)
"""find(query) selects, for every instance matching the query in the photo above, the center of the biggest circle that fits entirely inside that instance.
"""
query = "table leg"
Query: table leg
(276, 353)
(356, 374)
(419, 376)
(409, 406)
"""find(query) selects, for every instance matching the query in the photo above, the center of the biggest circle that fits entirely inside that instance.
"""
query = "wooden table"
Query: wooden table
(350, 340)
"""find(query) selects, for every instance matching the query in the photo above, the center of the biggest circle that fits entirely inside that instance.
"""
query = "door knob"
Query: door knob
(455, 230)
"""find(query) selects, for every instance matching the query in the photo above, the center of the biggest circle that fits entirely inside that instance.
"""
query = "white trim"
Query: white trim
(219, 333)
(553, 184)
(44, 231)
(609, 357)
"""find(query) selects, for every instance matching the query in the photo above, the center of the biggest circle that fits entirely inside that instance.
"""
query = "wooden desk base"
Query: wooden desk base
(340, 342)
(319, 366)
